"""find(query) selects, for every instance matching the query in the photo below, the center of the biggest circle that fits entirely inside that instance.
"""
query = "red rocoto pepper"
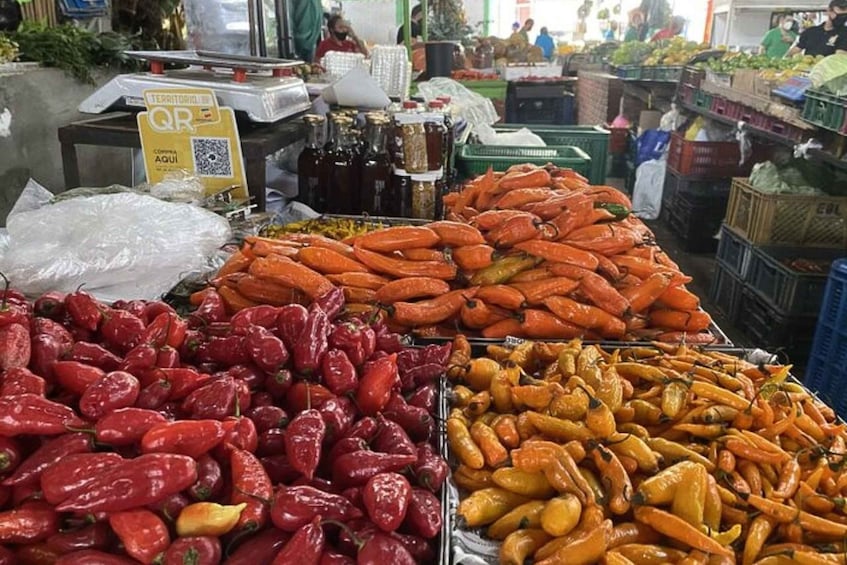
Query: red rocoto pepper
(334, 558)
(46, 326)
(210, 480)
(271, 442)
(346, 445)
(338, 372)
(417, 422)
(303, 439)
(386, 497)
(183, 380)
(420, 375)
(153, 309)
(84, 310)
(198, 550)
(365, 428)
(250, 375)
(34, 522)
(409, 358)
(279, 469)
(430, 469)
(392, 438)
(264, 316)
(7, 557)
(424, 397)
(143, 534)
(139, 359)
(50, 305)
(331, 302)
(290, 324)
(356, 339)
(91, 536)
(305, 546)
(211, 309)
(386, 340)
(138, 308)
(260, 548)
(15, 346)
(128, 485)
(278, 384)
(166, 328)
(227, 351)
(30, 414)
(45, 351)
(122, 330)
(420, 549)
(93, 354)
(303, 395)
(423, 517)
(296, 506)
(250, 485)
(262, 398)
(126, 426)
(378, 547)
(169, 508)
(114, 390)
(265, 418)
(215, 400)
(167, 358)
(22, 381)
(93, 557)
(10, 455)
(185, 437)
(354, 469)
(316, 482)
(377, 382)
(71, 475)
(75, 377)
(309, 349)
(338, 414)
(154, 396)
(239, 433)
(52, 451)
(265, 349)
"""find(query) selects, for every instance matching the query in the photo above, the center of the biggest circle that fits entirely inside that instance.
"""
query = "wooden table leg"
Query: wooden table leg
(255, 173)
(70, 166)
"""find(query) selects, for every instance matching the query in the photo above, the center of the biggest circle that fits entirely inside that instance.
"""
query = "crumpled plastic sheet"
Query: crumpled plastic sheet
(464, 103)
(118, 246)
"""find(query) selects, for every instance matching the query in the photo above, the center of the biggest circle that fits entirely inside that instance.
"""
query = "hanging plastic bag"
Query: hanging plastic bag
(652, 144)
(120, 246)
(647, 193)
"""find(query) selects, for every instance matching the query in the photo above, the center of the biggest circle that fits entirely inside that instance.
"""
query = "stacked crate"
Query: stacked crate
(772, 264)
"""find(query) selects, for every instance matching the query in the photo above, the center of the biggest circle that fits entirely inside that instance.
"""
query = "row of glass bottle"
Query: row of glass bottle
(396, 168)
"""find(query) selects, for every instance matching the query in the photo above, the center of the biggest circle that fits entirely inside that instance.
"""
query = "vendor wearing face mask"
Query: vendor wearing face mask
(777, 41)
(827, 38)
(342, 38)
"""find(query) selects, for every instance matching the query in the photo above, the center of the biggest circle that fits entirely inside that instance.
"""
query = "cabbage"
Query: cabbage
(830, 74)
(771, 179)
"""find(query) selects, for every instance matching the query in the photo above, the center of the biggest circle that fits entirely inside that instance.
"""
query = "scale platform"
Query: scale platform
(261, 88)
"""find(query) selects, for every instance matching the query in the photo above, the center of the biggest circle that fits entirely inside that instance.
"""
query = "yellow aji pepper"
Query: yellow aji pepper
(208, 519)
(486, 506)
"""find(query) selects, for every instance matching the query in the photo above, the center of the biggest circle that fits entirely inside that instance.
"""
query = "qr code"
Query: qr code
(212, 156)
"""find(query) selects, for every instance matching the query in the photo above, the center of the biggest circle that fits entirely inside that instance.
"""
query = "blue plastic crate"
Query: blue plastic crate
(826, 372)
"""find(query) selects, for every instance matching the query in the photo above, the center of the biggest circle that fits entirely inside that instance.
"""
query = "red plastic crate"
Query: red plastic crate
(727, 108)
(706, 159)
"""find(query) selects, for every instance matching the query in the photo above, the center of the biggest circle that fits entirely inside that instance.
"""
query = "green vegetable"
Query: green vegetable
(8, 50)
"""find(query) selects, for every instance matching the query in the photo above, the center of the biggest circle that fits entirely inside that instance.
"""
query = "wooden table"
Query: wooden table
(121, 130)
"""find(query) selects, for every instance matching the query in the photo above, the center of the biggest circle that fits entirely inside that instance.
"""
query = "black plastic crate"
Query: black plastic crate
(542, 110)
(768, 329)
(697, 221)
(787, 289)
(696, 191)
(734, 252)
(725, 293)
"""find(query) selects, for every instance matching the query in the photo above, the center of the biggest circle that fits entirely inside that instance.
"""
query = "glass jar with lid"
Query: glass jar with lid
(309, 161)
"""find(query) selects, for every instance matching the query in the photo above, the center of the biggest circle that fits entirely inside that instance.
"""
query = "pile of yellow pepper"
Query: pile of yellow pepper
(571, 454)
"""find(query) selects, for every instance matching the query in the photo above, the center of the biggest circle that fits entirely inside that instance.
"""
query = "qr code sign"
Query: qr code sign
(212, 156)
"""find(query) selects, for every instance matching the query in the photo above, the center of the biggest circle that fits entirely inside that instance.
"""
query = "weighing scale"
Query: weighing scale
(264, 89)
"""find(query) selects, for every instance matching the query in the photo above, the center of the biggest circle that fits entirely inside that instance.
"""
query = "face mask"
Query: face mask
(787, 25)
(839, 20)
(340, 35)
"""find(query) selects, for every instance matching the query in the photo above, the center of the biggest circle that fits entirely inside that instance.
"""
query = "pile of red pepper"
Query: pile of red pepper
(278, 435)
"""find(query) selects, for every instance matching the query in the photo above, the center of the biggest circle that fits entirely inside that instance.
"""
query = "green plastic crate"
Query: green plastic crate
(825, 110)
(491, 89)
(473, 160)
(594, 140)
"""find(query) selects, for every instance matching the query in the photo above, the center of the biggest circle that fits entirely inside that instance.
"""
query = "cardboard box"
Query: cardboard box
(649, 119)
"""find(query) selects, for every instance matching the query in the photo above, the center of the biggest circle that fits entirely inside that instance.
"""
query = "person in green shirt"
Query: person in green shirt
(306, 19)
(778, 40)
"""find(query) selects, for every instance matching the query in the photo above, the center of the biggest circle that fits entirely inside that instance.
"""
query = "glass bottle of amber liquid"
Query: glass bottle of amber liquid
(309, 162)
(338, 170)
(375, 175)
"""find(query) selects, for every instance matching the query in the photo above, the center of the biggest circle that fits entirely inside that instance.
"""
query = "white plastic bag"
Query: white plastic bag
(465, 104)
(120, 246)
(647, 194)
(522, 137)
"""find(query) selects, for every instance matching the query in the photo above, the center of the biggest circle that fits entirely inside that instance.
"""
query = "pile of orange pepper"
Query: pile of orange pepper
(572, 454)
(535, 252)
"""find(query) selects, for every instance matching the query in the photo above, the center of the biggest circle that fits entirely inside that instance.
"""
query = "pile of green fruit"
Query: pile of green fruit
(734, 61)
(675, 52)
(8, 50)
(632, 53)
